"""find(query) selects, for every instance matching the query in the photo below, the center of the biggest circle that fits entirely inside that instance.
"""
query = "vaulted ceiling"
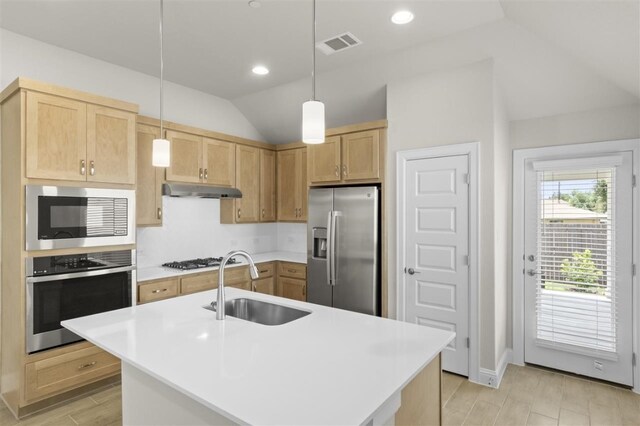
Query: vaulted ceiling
(550, 57)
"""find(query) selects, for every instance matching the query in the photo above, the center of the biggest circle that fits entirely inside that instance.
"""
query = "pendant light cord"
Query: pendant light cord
(161, 69)
(313, 55)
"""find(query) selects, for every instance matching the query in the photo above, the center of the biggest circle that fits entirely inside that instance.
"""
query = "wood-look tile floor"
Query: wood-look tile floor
(533, 396)
(527, 396)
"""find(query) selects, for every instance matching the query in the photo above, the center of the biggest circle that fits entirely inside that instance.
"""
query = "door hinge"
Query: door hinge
(633, 359)
(467, 178)
(466, 260)
(468, 342)
(633, 181)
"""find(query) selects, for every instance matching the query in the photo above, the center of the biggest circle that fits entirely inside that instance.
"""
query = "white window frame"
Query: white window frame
(520, 157)
(402, 157)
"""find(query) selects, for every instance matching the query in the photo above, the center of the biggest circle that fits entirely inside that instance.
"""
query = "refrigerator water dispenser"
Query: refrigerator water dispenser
(319, 243)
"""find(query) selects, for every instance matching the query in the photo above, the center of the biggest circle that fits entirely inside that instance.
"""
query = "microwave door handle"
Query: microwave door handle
(94, 273)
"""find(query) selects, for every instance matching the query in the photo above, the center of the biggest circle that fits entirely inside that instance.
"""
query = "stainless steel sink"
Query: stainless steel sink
(261, 312)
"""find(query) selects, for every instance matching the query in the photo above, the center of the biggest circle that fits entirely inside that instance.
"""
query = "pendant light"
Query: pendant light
(313, 110)
(161, 154)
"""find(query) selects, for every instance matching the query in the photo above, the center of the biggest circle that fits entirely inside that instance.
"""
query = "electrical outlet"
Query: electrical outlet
(492, 382)
(598, 365)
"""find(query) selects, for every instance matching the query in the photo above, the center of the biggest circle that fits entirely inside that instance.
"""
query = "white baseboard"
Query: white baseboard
(493, 378)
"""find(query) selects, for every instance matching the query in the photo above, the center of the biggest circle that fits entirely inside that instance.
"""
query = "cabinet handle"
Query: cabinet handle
(304, 290)
(92, 168)
(206, 174)
(159, 213)
(88, 365)
(262, 212)
(293, 271)
(344, 170)
(238, 213)
(83, 167)
(200, 173)
(264, 272)
(159, 291)
(337, 171)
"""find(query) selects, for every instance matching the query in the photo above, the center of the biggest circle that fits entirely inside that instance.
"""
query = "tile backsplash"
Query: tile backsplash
(191, 228)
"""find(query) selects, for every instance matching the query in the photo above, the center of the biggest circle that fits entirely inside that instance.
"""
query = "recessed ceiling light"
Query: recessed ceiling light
(254, 4)
(260, 70)
(402, 17)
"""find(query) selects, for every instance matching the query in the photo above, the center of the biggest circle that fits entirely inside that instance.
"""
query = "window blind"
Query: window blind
(576, 280)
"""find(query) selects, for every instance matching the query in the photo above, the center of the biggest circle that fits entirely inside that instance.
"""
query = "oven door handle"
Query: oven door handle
(93, 273)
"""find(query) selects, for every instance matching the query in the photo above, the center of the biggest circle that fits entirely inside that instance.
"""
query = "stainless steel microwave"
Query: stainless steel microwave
(68, 217)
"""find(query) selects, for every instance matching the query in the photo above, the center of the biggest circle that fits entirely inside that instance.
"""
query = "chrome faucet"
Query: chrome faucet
(252, 270)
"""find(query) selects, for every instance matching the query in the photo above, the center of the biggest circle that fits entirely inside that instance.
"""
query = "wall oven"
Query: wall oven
(67, 217)
(71, 286)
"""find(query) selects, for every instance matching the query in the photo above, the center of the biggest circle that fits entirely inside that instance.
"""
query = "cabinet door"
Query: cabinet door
(288, 188)
(267, 186)
(111, 145)
(149, 179)
(219, 162)
(265, 285)
(361, 156)
(292, 289)
(303, 189)
(56, 137)
(324, 161)
(248, 182)
(186, 157)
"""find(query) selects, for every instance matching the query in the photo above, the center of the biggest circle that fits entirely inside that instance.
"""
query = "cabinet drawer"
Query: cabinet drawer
(158, 290)
(200, 282)
(292, 270)
(236, 275)
(266, 270)
(70, 370)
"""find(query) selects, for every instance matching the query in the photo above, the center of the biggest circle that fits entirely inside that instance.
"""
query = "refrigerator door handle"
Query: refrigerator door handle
(329, 250)
(334, 238)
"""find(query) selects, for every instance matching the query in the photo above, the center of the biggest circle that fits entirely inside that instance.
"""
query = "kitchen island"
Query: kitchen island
(181, 366)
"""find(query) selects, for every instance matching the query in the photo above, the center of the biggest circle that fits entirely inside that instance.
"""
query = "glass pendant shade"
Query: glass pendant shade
(161, 154)
(313, 122)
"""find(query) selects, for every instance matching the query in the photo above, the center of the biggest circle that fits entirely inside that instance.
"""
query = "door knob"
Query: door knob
(533, 273)
(411, 271)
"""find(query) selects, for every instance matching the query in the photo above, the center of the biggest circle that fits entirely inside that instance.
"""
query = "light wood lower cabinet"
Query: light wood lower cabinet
(151, 291)
(266, 282)
(54, 375)
(200, 282)
(292, 281)
(292, 288)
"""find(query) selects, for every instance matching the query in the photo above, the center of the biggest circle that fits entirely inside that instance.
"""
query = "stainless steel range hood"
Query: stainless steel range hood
(199, 191)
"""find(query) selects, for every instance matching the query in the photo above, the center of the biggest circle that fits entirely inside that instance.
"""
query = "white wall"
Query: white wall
(25, 57)
(443, 108)
(621, 122)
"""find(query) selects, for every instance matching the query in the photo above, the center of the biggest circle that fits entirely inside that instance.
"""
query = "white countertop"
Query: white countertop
(330, 367)
(159, 272)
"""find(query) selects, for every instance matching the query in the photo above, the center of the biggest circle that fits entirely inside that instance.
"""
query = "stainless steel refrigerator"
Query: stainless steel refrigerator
(343, 248)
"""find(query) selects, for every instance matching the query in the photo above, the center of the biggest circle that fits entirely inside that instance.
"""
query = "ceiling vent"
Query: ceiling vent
(338, 43)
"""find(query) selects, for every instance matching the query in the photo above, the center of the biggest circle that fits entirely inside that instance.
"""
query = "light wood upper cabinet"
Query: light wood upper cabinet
(219, 162)
(56, 137)
(248, 182)
(346, 158)
(267, 186)
(72, 140)
(324, 161)
(111, 145)
(292, 185)
(149, 188)
(186, 157)
(361, 155)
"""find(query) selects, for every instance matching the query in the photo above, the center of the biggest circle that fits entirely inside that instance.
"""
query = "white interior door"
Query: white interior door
(436, 279)
(578, 265)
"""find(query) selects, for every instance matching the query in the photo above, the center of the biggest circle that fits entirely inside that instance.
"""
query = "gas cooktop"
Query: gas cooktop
(207, 262)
